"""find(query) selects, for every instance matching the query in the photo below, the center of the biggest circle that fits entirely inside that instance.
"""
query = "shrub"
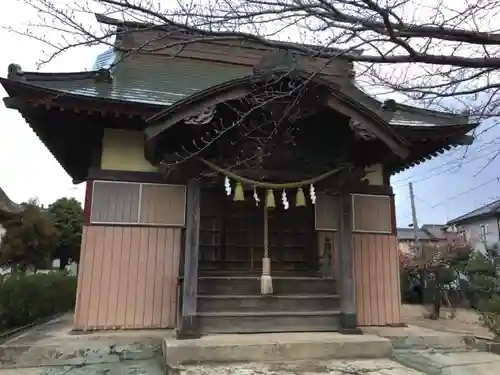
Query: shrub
(26, 298)
(489, 313)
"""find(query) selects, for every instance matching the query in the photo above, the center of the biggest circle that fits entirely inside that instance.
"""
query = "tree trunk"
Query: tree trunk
(63, 262)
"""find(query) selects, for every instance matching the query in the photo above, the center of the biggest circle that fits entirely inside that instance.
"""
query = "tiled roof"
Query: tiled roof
(406, 115)
(489, 209)
(426, 232)
(436, 230)
(409, 234)
(6, 205)
(164, 80)
(151, 79)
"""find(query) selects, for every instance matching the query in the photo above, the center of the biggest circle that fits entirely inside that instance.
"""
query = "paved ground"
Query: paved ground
(150, 367)
(466, 321)
(425, 347)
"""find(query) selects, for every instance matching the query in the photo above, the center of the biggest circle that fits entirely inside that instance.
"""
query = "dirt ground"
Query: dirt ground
(466, 321)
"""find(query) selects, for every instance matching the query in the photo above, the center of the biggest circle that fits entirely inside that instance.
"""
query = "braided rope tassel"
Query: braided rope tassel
(266, 282)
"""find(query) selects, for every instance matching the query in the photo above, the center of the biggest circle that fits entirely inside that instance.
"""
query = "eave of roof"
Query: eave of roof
(22, 91)
(491, 209)
(445, 135)
(424, 233)
(8, 206)
(147, 79)
(240, 87)
(93, 85)
(407, 115)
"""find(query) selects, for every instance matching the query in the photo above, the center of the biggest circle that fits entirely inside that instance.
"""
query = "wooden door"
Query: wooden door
(232, 235)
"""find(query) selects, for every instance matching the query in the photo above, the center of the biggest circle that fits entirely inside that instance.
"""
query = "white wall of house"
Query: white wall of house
(2, 232)
(481, 231)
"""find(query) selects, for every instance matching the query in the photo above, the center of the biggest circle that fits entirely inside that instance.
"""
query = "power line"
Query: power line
(482, 147)
(458, 163)
(497, 178)
(421, 200)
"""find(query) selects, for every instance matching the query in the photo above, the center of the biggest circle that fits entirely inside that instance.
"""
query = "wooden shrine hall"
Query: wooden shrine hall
(230, 187)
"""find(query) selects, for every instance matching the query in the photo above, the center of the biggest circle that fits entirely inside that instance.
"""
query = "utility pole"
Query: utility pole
(414, 215)
(421, 272)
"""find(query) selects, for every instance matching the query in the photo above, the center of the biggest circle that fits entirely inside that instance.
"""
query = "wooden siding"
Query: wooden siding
(137, 203)
(372, 213)
(376, 269)
(123, 150)
(128, 278)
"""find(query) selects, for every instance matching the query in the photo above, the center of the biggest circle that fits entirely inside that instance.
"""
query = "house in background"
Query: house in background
(480, 227)
(429, 234)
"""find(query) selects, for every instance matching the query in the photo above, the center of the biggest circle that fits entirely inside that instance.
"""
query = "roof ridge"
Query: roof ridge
(495, 204)
(184, 30)
(16, 73)
(410, 108)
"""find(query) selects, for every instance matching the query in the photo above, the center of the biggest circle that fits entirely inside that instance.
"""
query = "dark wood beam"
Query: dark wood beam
(348, 319)
(188, 325)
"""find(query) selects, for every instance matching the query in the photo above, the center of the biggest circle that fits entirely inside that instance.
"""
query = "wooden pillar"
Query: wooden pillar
(348, 321)
(188, 327)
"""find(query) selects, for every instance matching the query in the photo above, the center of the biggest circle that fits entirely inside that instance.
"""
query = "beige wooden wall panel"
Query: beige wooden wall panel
(376, 269)
(163, 204)
(326, 212)
(123, 150)
(128, 278)
(372, 213)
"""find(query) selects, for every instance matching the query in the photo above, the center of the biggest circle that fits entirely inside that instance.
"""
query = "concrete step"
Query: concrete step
(249, 303)
(274, 348)
(269, 321)
(374, 366)
(250, 285)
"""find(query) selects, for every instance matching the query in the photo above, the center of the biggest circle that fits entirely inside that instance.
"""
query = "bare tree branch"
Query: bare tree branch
(441, 54)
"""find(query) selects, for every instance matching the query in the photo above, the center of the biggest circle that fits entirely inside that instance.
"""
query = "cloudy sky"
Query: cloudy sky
(445, 187)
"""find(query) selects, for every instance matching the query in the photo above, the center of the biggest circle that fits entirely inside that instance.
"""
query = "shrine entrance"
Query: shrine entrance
(232, 237)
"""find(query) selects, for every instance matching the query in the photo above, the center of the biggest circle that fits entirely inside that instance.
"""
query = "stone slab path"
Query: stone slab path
(338, 367)
(446, 362)
(149, 367)
(466, 321)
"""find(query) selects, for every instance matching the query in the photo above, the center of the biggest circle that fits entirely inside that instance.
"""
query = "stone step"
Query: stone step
(272, 348)
(269, 321)
(225, 285)
(249, 303)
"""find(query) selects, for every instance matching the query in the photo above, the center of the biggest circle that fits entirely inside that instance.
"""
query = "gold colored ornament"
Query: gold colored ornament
(238, 192)
(300, 200)
(270, 203)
